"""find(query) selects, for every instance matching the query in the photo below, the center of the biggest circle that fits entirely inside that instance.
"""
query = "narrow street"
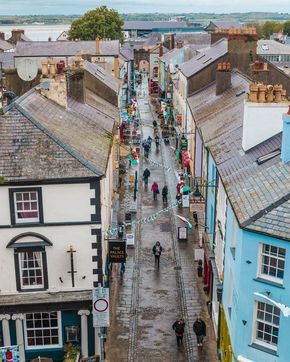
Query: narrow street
(147, 300)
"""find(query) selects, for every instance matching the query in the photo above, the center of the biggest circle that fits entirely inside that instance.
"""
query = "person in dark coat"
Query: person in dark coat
(178, 328)
(164, 194)
(146, 175)
(157, 250)
(199, 329)
(146, 149)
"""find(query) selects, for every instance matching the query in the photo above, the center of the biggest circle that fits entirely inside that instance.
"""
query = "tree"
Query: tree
(271, 27)
(98, 23)
(286, 28)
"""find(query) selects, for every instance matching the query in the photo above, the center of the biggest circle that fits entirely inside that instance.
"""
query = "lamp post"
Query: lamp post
(135, 185)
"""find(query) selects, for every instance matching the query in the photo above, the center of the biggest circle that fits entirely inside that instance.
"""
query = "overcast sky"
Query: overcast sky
(25, 7)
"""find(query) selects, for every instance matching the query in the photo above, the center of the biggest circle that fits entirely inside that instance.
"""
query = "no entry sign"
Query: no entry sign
(101, 310)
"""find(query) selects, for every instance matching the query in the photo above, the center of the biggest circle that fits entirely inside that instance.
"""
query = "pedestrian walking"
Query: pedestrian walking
(157, 250)
(146, 149)
(178, 328)
(199, 329)
(146, 175)
(155, 190)
(149, 141)
(157, 140)
(123, 268)
(164, 194)
(155, 124)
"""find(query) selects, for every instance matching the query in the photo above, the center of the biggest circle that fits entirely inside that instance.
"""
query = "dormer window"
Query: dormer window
(26, 205)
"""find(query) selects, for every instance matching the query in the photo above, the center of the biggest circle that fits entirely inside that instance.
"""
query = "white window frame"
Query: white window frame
(26, 220)
(255, 321)
(259, 269)
(32, 286)
(46, 346)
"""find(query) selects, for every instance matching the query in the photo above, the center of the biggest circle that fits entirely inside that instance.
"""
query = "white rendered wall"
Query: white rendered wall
(261, 122)
(106, 202)
(61, 203)
(58, 260)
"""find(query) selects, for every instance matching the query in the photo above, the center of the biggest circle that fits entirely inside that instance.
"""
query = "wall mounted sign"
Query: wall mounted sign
(183, 233)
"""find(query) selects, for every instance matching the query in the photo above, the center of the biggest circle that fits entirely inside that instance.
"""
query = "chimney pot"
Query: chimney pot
(97, 45)
(253, 96)
(262, 93)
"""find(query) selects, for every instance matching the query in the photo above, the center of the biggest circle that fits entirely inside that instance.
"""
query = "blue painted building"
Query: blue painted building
(247, 219)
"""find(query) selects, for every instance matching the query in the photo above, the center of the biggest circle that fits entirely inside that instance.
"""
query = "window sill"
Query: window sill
(32, 290)
(269, 282)
(264, 349)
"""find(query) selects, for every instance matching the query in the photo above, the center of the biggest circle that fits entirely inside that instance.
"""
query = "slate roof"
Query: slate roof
(225, 24)
(41, 140)
(4, 45)
(103, 76)
(149, 25)
(103, 120)
(257, 193)
(7, 60)
(171, 54)
(67, 48)
(204, 58)
(98, 102)
(196, 38)
(272, 47)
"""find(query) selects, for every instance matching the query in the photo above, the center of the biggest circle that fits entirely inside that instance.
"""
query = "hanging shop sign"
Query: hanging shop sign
(117, 251)
(185, 200)
(178, 118)
(101, 310)
(183, 144)
(9, 354)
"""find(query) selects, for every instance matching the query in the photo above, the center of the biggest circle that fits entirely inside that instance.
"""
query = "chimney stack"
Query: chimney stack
(75, 80)
(16, 35)
(172, 41)
(223, 77)
(266, 93)
(98, 50)
(179, 44)
(161, 50)
(285, 148)
(262, 115)
(53, 86)
(116, 66)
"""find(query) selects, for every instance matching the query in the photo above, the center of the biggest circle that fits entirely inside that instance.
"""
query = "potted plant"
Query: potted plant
(72, 353)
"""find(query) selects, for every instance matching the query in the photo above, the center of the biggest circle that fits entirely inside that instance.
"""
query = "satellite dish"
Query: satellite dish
(27, 69)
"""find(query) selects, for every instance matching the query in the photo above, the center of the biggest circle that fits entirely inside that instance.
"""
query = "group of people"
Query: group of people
(155, 187)
(146, 144)
(199, 328)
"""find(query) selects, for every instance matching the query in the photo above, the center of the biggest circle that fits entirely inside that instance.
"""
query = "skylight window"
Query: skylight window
(265, 47)
(268, 156)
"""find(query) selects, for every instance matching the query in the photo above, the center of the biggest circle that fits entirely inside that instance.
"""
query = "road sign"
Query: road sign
(101, 310)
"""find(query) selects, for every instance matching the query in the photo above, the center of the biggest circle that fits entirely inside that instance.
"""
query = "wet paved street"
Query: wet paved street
(147, 300)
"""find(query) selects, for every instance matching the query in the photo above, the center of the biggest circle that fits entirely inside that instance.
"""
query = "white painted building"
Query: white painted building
(56, 192)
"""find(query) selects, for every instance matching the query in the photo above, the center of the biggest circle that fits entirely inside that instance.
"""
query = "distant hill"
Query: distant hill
(203, 18)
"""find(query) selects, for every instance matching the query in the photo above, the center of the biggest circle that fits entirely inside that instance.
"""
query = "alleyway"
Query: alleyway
(147, 300)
